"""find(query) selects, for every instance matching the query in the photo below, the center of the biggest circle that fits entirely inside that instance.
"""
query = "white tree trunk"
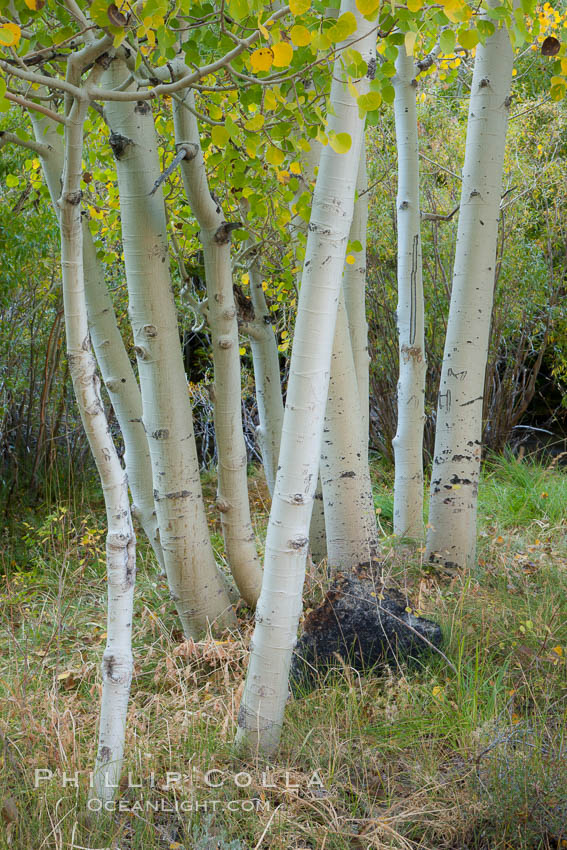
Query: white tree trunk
(109, 349)
(266, 377)
(354, 286)
(317, 527)
(194, 581)
(408, 442)
(232, 495)
(277, 615)
(352, 533)
(117, 662)
(451, 537)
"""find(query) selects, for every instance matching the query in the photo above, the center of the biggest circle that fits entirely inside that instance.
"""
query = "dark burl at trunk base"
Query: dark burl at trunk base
(364, 625)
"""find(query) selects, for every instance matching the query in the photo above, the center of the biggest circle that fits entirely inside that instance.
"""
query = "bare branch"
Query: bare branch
(29, 104)
(7, 138)
(40, 79)
(439, 216)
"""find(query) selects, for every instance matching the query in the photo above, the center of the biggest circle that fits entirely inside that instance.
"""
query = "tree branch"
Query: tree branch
(29, 104)
(7, 138)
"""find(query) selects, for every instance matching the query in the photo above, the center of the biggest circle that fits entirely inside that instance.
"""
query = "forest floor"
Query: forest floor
(467, 751)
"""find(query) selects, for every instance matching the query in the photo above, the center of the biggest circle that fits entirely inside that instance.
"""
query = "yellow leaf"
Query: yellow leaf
(283, 54)
(344, 26)
(270, 101)
(300, 35)
(262, 59)
(415, 5)
(245, 279)
(352, 88)
(283, 177)
(367, 7)
(321, 41)
(456, 10)
(220, 136)
(263, 29)
(242, 351)
(251, 145)
(299, 7)
(295, 168)
(409, 40)
(559, 651)
(340, 142)
(256, 123)
(274, 155)
(350, 260)
(436, 690)
(10, 34)
(35, 5)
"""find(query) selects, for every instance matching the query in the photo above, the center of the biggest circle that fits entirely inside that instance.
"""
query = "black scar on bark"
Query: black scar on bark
(367, 626)
(119, 143)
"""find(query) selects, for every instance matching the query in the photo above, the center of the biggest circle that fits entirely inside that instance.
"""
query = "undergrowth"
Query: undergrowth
(466, 750)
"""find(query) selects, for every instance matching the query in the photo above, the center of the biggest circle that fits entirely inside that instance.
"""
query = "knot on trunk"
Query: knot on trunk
(119, 143)
(222, 235)
(243, 304)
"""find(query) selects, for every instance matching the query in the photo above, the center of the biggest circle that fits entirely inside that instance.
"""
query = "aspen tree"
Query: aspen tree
(277, 614)
(451, 537)
(232, 497)
(194, 581)
(408, 442)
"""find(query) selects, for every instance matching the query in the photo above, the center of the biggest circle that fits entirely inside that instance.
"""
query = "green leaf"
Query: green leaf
(340, 142)
(468, 38)
(220, 136)
(370, 101)
(447, 41)
(388, 93)
(485, 28)
(342, 28)
(355, 64)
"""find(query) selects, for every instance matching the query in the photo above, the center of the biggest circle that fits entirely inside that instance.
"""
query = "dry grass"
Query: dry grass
(420, 757)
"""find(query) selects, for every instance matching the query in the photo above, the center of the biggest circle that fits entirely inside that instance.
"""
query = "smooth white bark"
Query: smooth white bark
(317, 527)
(117, 662)
(109, 349)
(232, 494)
(408, 442)
(354, 287)
(352, 532)
(451, 537)
(194, 581)
(263, 344)
(277, 615)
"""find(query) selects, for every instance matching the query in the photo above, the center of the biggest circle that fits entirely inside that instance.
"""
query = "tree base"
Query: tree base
(362, 624)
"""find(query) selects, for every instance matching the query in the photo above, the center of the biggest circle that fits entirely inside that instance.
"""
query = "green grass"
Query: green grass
(466, 751)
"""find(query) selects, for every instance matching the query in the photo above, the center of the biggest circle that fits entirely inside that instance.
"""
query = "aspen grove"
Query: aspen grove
(233, 136)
